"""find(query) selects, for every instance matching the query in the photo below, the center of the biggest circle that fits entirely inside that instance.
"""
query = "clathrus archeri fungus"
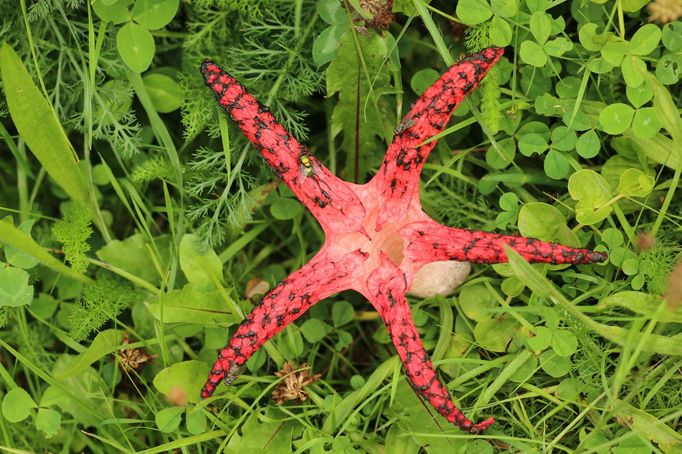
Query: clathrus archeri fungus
(377, 236)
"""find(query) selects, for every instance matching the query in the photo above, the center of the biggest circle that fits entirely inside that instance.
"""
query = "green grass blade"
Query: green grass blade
(38, 125)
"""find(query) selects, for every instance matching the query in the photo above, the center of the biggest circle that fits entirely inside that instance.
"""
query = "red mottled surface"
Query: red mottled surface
(377, 236)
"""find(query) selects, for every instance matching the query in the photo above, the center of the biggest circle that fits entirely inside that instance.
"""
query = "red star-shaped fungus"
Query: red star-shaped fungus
(377, 236)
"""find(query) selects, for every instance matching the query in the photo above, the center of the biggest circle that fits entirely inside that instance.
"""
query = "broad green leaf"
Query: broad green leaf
(17, 257)
(540, 26)
(314, 330)
(570, 389)
(165, 93)
(195, 420)
(502, 155)
(44, 305)
(645, 124)
(342, 313)
(155, 14)
(473, 12)
(423, 79)
(556, 165)
(669, 68)
(504, 8)
(638, 96)
(612, 237)
(541, 340)
(497, 335)
(558, 46)
(533, 54)
(501, 33)
(632, 6)
(592, 192)
(201, 267)
(635, 183)
(532, 143)
(540, 220)
(193, 305)
(270, 434)
(184, 379)
(564, 342)
(588, 145)
(116, 12)
(556, 366)
(395, 442)
(509, 201)
(80, 396)
(14, 288)
(38, 125)
(616, 118)
(599, 65)
(106, 342)
(48, 421)
(645, 39)
(419, 425)
(590, 39)
(134, 255)
(672, 36)
(327, 43)
(477, 302)
(285, 208)
(648, 427)
(17, 405)
(614, 51)
(136, 47)
(361, 114)
(168, 419)
(332, 12)
(526, 370)
(345, 339)
(634, 70)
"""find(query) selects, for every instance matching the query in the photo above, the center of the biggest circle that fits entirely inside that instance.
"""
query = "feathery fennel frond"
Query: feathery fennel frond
(73, 232)
(102, 301)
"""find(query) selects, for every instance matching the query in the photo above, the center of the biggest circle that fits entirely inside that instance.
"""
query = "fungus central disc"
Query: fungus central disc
(389, 242)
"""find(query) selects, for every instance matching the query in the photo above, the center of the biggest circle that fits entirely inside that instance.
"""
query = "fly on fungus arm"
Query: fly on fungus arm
(428, 241)
(398, 177)
(386, 288)
(329, 199)
(329, 272)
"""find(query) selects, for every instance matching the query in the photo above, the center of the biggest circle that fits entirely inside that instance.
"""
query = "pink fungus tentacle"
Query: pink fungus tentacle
(386, 286)
(323, 276)
(398, 177)
(329, 199)
(428, 241)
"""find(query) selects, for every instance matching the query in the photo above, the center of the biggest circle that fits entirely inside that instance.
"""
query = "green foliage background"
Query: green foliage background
(134, 216)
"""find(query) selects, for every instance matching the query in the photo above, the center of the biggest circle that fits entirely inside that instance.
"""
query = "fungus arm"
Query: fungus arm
(323, 276)
(386, 291)
(427, 241)
(333, 203)
(398, 177)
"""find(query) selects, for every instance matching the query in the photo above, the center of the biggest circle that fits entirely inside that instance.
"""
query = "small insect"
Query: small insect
(306, 166)
(403, 125)
(234, 372)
